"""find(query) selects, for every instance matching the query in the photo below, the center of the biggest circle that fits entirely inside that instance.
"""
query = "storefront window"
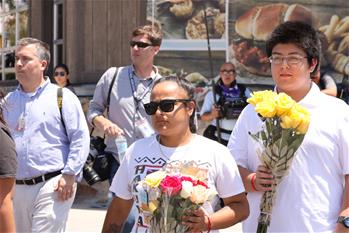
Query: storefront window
(58, 32)
(13, 26)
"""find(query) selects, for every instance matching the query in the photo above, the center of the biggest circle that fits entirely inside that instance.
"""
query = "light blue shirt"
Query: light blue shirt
(43, 144)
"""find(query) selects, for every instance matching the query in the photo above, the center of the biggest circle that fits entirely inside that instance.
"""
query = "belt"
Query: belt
(39, 179)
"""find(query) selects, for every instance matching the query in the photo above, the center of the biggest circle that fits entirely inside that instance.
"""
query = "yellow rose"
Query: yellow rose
(266, 108)
(154, 179)
(305, 120)
(297, 118)
(153, 205)
(284, 103)
(259, 96)
(291, 119)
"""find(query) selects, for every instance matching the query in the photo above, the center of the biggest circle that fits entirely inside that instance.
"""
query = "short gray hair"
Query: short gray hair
(42, 48)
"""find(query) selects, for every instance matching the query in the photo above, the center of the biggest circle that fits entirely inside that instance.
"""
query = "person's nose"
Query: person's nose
(19, 62)
(284, 63)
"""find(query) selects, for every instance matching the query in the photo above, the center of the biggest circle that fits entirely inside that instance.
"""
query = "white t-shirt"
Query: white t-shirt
(145, 156)
(309, 197)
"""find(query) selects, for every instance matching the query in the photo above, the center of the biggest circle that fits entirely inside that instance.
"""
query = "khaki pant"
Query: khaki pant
(37, 208)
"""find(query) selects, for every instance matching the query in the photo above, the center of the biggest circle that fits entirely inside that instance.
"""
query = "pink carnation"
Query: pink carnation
(199, 182)
(187, 178)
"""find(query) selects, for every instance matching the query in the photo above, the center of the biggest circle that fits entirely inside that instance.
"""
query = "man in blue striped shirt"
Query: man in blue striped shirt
(51, 150)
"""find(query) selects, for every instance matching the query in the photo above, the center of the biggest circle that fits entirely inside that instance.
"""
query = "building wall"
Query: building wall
(96, 33)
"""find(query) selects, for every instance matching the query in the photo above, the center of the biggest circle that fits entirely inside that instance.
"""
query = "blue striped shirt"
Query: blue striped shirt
(43, 144)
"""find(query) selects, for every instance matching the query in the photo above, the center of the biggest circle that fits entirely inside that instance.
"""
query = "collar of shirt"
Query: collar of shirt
(38, 90)
(152, 77)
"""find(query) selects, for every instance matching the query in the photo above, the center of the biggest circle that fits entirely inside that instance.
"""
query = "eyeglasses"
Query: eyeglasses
(139, 44)
(164, 105)
(62, 73)
(290, 60)
(228, 71)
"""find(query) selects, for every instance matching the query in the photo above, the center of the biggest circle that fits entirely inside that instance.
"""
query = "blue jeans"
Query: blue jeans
(130, 221)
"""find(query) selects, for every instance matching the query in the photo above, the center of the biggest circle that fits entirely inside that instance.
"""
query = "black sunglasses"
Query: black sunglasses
(228, 71)
(139, 44)
(164, 105)
(62, 73)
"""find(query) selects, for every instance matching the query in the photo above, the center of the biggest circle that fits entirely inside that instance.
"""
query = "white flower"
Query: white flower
(187, 189)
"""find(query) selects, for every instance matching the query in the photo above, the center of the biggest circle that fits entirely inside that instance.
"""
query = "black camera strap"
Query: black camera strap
(109, 94)
(60, 99)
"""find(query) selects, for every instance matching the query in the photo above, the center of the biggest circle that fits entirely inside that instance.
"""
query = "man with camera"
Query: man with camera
(129, 92)
(231, 100)
(52, 146)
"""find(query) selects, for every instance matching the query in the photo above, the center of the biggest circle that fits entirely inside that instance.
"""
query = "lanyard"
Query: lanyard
(137, 99)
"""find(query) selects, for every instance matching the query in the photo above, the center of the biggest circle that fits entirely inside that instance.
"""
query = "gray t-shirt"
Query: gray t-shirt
(122, 110)
(8, 155)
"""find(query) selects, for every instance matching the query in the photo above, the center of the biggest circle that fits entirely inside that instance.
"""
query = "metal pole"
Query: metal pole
(212, 77)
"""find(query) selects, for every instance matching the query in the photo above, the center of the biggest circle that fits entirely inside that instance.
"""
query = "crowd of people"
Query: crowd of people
(45, 141)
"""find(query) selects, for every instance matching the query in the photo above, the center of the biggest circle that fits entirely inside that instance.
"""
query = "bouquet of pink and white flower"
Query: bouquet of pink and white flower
(168, 197)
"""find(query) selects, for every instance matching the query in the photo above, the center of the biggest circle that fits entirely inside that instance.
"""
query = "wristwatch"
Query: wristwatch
(344, 220)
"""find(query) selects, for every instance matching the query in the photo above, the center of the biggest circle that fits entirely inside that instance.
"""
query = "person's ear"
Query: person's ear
(190, 107)
(156, 49)
(44, 65)
(313, 64)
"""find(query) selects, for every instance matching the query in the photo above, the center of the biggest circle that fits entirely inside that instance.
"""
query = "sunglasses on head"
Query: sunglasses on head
(139, 44)
(164, 105)
(62, 73)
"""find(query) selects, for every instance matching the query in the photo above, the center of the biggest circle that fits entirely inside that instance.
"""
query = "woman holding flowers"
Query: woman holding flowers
(180, 163)
(312, 191)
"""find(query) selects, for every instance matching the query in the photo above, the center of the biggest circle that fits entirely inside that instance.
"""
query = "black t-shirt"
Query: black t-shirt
(8, 155)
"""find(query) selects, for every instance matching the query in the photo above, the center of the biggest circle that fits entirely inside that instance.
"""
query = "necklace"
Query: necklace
(162, 152)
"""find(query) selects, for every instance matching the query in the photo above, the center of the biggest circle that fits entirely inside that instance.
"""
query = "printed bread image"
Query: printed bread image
(253, 28)
(337, 34)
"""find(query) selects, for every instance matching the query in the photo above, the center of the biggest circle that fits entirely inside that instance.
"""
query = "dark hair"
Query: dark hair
(153, 34)
(301, 34)
(188, 88)
(64, 67)
(42, 48)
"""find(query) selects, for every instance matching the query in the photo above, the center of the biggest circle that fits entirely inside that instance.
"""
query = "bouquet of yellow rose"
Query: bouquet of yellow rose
(285, 125)
(167, 196)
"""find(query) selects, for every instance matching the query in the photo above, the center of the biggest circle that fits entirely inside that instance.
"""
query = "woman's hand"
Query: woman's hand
(197, 221)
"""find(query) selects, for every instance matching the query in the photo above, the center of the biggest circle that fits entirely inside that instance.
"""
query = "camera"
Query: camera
(231, 109)
(90, 174)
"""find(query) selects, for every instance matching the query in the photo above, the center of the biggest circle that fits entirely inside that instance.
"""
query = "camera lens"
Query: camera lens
(90, 175)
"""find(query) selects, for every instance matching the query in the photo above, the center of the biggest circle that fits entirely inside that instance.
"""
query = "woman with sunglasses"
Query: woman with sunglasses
(61, 75)
(314, 195)
(172, 111)
(8, 166)
(230, 100)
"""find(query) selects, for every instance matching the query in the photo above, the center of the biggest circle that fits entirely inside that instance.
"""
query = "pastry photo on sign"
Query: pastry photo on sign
(184, 19)
(252, 28)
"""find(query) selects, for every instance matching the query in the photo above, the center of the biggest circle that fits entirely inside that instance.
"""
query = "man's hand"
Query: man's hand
(65, 187)
(215, 112)
(109, 128)
(264, 179)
